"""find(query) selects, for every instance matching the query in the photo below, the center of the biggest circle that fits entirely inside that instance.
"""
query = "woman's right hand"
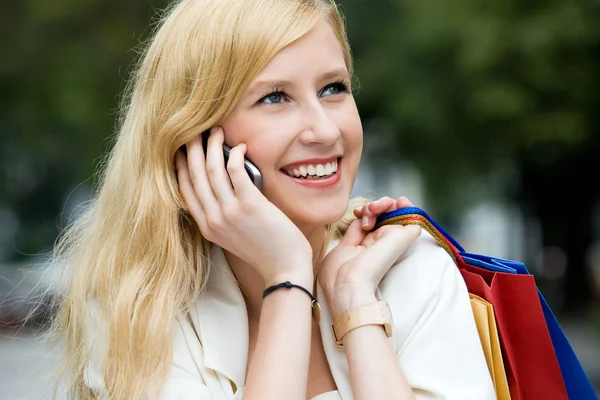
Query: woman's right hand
(232, 213)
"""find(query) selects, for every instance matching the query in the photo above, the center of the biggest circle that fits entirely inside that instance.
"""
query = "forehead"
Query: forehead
(313, 53)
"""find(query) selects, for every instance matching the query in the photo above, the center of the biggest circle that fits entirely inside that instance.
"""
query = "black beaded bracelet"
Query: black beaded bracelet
(316, 307)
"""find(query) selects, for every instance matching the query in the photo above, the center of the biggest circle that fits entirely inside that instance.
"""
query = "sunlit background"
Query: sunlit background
(485, 113)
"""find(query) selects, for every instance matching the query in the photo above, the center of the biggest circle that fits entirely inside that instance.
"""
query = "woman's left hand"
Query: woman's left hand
(352, 271)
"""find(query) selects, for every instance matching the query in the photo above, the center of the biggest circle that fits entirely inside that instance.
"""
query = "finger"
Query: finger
(391, 243)
(358, 211)
(366, 218)
(375, 235)
(215, 168)
(354, 234)
(196, 166)
(384, 204)
(380, 206)
(186, 189)
(372, 210)
(403, 202)
(242, 184)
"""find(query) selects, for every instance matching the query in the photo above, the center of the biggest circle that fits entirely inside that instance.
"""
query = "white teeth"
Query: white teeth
(320, 170)
(317, 170)
(328, 168)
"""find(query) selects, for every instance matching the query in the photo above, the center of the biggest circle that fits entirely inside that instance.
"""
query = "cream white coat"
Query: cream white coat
(435, 338)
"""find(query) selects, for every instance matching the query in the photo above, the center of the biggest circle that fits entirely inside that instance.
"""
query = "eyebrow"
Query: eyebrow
(334, 73)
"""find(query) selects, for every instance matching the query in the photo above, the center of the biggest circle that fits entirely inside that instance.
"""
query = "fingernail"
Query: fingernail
(365, 220)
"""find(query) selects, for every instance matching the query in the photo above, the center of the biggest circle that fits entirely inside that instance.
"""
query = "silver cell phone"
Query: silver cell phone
(251, 168)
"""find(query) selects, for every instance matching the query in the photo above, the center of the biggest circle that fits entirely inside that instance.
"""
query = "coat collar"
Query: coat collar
(222, 321)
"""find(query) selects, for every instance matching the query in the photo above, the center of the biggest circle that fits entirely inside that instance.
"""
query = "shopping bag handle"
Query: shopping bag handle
(416, 216)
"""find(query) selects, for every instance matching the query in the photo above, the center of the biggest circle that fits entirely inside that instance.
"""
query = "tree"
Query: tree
(62, 71)
(475, 87)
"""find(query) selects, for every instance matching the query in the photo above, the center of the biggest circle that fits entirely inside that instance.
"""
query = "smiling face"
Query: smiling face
(300, 123)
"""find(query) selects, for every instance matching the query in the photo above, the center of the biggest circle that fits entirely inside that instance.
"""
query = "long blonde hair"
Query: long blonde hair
(135, 254)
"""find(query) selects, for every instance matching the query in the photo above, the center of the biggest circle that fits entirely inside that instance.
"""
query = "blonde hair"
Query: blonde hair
(136, 255)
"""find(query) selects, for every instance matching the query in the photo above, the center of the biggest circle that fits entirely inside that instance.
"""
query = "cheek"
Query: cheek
(355, 135)
(237, 129)
(265, 142)
(351, 129)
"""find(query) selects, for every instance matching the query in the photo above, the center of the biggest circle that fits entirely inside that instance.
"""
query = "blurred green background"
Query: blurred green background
(488, 101)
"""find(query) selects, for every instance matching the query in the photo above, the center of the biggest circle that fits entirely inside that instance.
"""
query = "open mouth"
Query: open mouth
(313, 171)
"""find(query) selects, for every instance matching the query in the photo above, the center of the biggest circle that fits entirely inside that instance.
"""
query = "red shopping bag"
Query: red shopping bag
(530, 362)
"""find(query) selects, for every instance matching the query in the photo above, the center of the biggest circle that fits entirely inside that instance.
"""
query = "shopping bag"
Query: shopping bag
(576, 382)
(518, 300)
(485, 319)
(531, 365)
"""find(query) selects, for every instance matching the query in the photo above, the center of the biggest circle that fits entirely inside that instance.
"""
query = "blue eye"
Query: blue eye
(279, 96)
(275, 97)
(335, 88)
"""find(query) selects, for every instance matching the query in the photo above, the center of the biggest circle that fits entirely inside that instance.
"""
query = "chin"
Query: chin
(318, 214)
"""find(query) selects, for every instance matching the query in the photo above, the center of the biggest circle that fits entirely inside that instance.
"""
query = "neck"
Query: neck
(251, 282)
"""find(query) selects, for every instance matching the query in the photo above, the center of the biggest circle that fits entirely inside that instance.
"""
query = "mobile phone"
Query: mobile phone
(251, 168)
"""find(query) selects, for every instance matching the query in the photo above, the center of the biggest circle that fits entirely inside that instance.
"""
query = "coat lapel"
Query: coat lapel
(222, 321)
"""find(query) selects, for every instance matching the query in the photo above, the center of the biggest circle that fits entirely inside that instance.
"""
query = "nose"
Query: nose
(320, 128)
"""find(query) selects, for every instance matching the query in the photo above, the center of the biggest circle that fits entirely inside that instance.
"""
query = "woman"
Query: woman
(171, 260)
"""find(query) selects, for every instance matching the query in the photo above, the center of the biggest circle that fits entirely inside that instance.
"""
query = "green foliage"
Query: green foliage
(64, 65)
(464, 85)
(471, 84)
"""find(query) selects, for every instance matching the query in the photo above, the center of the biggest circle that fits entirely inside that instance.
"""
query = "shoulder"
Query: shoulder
(423, 282)
(435, 336)
(423, 269)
